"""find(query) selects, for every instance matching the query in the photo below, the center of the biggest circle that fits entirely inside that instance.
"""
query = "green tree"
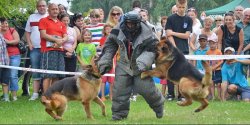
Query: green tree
(17, 9)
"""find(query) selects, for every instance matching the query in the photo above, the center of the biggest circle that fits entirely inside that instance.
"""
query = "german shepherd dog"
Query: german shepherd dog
(83, 88)
(172, 64)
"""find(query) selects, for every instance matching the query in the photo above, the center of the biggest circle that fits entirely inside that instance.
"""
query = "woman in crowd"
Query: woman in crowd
(194, 43)
(70, 45)
(191, 12)
(114, 16)
(78, 25)
(11, 37)
(218, 22)
(161, 33)
(230, 35)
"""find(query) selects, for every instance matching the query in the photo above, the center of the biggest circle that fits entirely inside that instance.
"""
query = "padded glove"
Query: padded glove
(104, 68)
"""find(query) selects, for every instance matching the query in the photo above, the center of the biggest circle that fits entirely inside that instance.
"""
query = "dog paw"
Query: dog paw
(58, 118)
(197, 110)
(104, 114)
(180, 103)
(91, 117)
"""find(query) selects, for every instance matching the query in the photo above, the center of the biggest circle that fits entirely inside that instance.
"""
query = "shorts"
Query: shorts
(163, 81)
(216, 77)
(4, 76)
(109, 79)
(52, 60)
(245, 95)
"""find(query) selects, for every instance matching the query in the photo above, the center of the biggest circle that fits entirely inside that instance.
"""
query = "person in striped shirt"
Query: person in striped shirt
(95, 27)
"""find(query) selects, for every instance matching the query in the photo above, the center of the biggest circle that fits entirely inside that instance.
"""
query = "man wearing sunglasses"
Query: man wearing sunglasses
(136, 43)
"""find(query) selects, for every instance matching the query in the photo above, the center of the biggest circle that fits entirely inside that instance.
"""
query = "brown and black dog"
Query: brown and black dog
(172, 64)
(83, 88)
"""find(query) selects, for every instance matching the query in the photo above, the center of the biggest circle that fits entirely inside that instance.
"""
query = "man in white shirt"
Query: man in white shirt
(33, 39)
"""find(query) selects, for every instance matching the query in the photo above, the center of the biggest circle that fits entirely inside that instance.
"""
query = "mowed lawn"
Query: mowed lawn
(24, 111)
(32, 112)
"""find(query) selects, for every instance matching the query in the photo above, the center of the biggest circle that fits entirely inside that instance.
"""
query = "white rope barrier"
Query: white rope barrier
(46, 71)
(190, 57)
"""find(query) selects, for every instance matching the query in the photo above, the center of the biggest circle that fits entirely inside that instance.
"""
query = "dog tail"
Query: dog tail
(207, 78)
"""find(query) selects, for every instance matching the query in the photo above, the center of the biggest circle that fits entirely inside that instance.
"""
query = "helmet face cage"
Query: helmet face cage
(132, 21)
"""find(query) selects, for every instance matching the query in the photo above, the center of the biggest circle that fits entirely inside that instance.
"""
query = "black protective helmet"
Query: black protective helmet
(133, 18)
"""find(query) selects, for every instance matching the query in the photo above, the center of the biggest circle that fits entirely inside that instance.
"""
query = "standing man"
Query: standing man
(238, 13)
(136, 43)
(245, 25)
(33, 39)
(178, 28)
(53, 35)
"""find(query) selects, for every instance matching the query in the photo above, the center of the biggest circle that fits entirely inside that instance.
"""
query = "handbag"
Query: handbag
(22, 47)
(21, 44)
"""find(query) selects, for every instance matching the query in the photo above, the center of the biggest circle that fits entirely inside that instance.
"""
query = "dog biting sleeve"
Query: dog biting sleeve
(145, 61)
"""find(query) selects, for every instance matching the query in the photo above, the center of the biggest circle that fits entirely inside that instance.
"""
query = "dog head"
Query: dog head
(92, 69)
(165, 51)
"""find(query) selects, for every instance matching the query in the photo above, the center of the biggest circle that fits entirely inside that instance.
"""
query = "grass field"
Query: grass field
(23, 111)
(32, 112)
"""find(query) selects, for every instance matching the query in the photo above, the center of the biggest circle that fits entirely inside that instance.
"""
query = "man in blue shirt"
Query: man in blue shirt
(232, 73)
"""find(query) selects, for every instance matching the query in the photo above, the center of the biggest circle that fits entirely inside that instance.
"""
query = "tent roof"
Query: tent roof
(228, 7)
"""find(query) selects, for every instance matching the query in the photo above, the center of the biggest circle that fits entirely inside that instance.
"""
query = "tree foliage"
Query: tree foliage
(17, 9)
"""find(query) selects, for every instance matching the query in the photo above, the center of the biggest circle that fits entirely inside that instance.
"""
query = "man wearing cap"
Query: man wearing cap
(232, 74)
(136, 43)
(202, 50)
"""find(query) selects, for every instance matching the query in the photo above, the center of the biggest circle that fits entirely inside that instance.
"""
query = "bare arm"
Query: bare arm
(223, 90)
(246, 48)
(241, 40)
(245, 62)
(170, 38)
(220, 35)
(192, 41)
(27, 35)
(58, 41)
(15, 40)
(78, 34)
(179, 35)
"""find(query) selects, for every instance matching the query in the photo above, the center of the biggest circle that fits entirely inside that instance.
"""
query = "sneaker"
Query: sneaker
(14, 98)
(169, 98)
(6, 99)
(33, 97)
(133, 98)
(25, 94)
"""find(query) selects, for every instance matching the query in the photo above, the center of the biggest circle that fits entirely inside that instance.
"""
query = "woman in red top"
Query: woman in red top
(11, 37)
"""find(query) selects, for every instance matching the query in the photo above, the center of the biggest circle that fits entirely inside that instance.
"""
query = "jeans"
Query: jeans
(15, 60)
(35, 59)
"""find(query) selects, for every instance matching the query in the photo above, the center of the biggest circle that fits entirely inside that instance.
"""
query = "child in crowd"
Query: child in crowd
(163, 83)
(4, 60)
(105, 32)
(216, 66)
(85, 50)
(201, 51)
